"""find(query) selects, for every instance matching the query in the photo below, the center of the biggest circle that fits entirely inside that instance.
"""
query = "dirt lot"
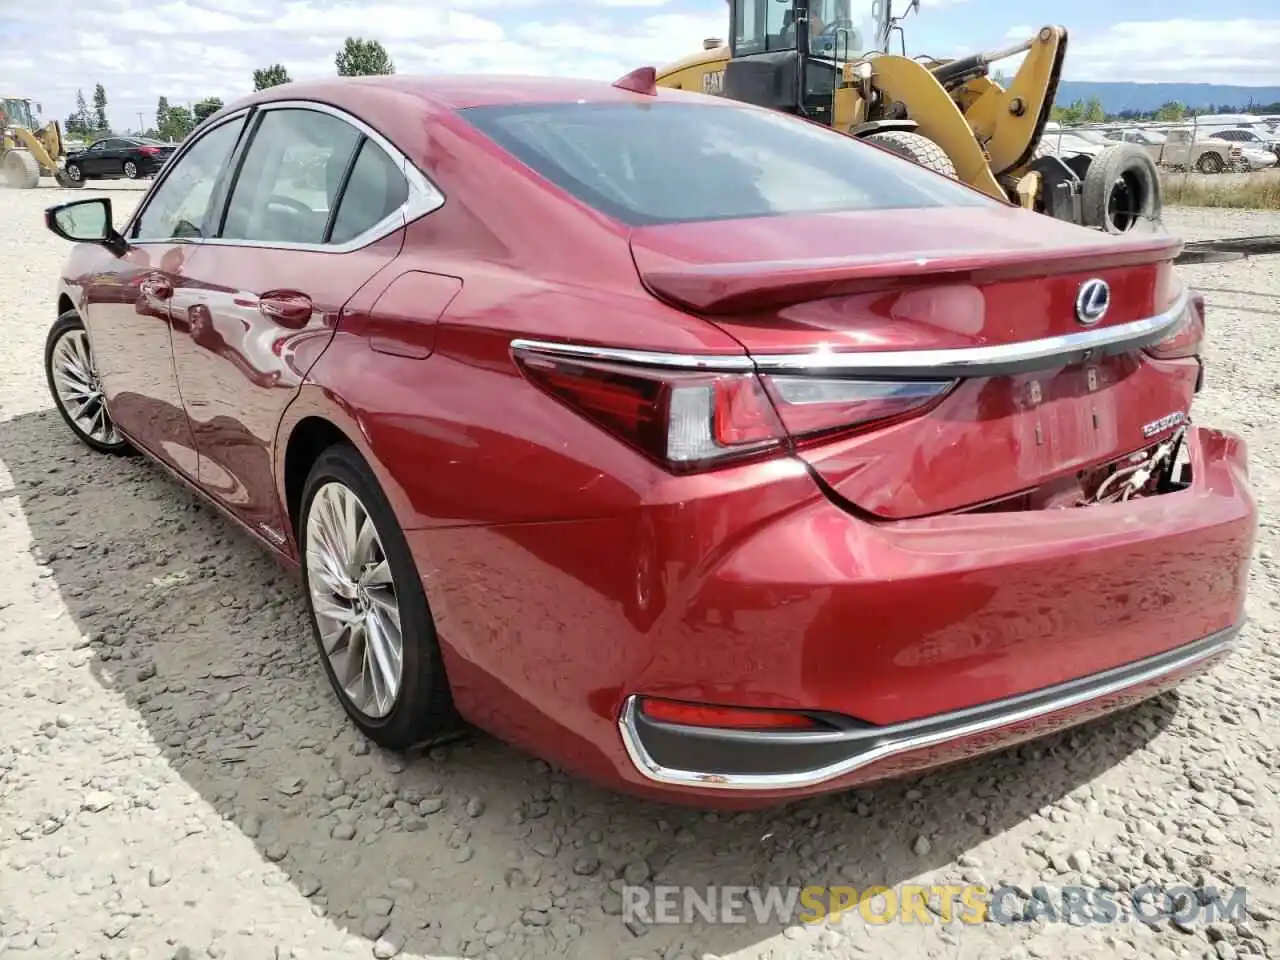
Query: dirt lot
(177, 781)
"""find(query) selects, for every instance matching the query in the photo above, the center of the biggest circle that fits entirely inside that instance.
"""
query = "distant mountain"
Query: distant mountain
(1147, 97)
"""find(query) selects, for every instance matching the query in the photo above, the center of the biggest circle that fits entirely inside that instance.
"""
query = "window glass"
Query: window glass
(290, 177)
(376, 189)
(673, 162)
(181, 201)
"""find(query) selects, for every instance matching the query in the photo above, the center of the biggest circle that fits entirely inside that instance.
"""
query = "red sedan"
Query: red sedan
(694, 447)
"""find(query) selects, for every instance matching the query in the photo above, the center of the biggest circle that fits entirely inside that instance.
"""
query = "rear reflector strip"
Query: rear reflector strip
(951, 363)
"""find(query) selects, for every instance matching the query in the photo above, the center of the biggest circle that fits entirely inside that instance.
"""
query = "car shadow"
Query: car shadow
(206, 638)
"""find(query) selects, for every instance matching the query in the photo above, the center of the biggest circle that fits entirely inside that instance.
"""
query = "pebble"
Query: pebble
(97, 801)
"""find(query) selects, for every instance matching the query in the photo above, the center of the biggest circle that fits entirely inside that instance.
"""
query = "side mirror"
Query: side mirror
(85, 221)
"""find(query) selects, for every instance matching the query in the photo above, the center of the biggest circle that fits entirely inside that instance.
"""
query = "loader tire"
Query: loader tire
(915, 147)
(21, 172)
(1121, 190)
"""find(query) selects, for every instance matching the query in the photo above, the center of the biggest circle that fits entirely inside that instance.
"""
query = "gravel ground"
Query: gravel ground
(177, 781)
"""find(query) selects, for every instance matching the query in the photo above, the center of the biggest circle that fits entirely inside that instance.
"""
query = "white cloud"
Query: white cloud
(1241, 51)
(190, 49)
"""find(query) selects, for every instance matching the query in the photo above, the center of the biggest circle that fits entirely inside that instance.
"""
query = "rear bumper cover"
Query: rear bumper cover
(711, 758)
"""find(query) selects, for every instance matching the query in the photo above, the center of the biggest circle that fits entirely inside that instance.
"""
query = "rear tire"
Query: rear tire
(1121, 190)
(917, 147)
(364, 584)
(21, 172)
(131, 170)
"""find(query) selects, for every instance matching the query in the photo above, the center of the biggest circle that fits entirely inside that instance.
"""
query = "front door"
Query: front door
(316, 210)
(128, 302)
(93, 162)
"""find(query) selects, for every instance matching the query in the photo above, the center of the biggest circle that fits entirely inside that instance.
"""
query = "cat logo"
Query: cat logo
(713, 82)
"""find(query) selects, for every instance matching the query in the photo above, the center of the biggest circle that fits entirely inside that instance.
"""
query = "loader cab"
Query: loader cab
(787, 54)
(17, 112)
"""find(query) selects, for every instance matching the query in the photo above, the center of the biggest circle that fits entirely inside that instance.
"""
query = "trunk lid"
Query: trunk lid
(907, 296)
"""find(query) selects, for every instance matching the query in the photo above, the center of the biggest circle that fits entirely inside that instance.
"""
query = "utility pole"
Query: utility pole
(142, 127)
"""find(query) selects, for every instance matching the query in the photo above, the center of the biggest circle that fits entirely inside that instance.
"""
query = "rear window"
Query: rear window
(675, 162)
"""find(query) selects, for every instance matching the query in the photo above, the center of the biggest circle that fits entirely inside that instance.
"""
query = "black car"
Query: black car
(114, 157)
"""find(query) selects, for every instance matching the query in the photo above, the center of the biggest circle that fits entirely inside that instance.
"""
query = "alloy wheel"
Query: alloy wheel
(79, 390)
(131, 170)
(353, 595)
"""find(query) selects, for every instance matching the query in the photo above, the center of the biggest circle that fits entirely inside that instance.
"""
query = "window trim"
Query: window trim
(132, 223)
(424, 196)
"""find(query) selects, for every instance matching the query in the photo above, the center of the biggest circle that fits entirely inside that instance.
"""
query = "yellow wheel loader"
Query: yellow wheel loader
(816, 59)
(28, 152)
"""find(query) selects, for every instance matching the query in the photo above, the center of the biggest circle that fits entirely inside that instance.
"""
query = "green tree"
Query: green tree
(162, 111)
(272, 76)
(177, 123)
(206, 108)
(1068, 115)
(82, 117)
(1094, 112)
(363, 58)
(100, 108)
(1171, 112)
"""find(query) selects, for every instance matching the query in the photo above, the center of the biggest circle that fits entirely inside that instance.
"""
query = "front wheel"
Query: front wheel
(73, 176)
(915, 146)
(77, 392)
(369, 613)
(1210, 163)
(131, 170)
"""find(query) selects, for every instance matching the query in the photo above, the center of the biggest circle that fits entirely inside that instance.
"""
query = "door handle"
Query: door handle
(157, 289)
(286, 309)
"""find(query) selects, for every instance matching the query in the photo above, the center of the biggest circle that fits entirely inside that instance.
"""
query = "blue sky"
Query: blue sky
(189, 49)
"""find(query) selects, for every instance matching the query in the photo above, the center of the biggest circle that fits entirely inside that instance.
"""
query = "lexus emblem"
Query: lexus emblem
(1092, 301)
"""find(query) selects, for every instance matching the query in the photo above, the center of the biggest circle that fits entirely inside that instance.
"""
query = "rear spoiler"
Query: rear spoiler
(755, 285)
(1228, 248)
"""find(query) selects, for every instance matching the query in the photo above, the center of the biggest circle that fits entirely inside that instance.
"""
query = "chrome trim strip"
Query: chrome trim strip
(719, 363)
(1077, 694)
(950, 363)
(424, 196)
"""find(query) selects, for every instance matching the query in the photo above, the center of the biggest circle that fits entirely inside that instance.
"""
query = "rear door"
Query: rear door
(112, 157)
(317, 208)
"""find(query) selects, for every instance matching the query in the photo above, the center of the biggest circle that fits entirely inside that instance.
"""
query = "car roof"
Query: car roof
(447, 92)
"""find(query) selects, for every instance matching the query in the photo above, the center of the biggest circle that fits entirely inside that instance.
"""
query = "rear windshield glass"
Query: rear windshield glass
(677, 162)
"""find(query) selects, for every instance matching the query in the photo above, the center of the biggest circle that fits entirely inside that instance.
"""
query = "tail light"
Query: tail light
(148, 151)
(691, 421)
(814, 407)
(1188, 338)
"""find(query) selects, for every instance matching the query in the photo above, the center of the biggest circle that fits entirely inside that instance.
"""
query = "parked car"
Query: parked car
(1251, 139)
(114, 157)
(695, 448)
(1180, 149)
(1093, 136)
(1069, 144)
